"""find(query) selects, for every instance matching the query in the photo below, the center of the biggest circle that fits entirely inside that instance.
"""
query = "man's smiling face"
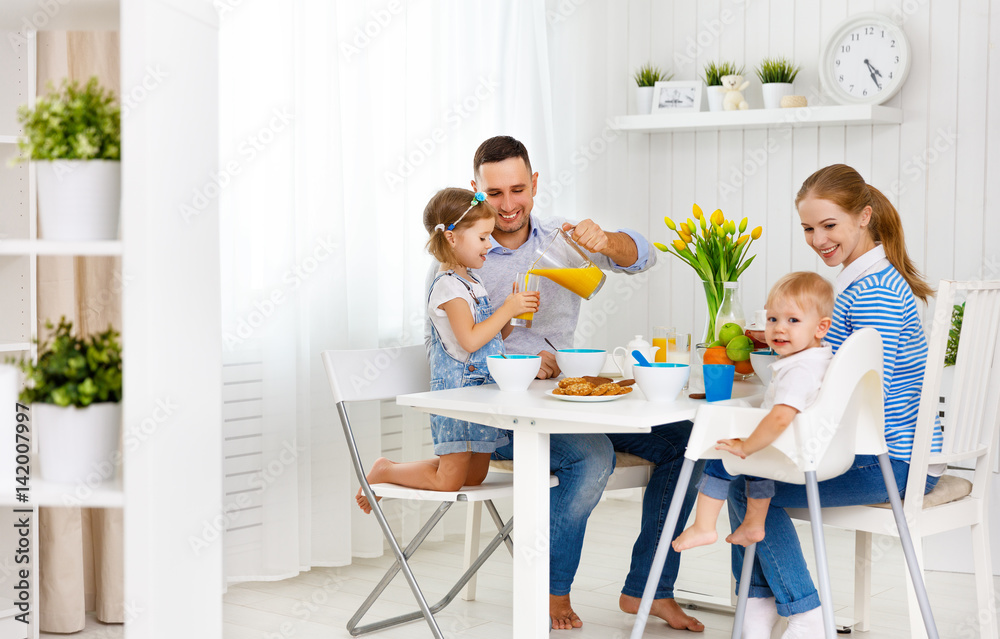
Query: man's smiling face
(510, 189)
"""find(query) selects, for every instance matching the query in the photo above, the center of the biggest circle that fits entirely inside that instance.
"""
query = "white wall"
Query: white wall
(933, 166)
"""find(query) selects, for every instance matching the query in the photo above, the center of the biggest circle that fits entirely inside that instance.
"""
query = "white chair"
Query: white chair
(821, 443)
(376, 374)
(972, 432)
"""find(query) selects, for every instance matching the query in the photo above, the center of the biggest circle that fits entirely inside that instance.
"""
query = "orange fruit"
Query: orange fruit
(744, 367)
(716, 355)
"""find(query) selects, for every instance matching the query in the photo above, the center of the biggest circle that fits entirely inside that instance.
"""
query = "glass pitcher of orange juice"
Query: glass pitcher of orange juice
(564, 262)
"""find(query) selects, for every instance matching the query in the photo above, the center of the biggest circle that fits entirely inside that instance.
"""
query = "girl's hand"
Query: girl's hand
(734, 446)
(523, 302)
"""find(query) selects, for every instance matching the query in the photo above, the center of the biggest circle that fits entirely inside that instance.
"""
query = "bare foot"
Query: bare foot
(665, 609)
(375, 476)
(694, 537)
(563, 617)
(746, 534)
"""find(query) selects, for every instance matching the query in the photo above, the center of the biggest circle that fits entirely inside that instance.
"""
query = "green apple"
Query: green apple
(739, 348)
(729, 331)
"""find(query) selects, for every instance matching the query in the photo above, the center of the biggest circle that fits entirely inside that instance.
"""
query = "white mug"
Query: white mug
(624, 360)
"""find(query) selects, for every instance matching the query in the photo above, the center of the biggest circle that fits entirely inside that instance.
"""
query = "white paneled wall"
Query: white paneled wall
(934, 166)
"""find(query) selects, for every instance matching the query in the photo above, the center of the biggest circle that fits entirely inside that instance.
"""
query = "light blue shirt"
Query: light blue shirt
(559, 308)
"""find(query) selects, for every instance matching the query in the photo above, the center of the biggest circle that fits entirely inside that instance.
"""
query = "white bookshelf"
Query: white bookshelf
(802, 117)
(51, 247)
(43, 493)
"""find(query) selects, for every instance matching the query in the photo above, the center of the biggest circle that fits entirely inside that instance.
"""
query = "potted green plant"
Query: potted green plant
(75, 391)
(73, 137)
(776, 76)
(646, 78)
(714, 72)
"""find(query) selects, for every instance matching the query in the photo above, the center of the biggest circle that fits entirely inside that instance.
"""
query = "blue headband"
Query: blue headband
(479, 197)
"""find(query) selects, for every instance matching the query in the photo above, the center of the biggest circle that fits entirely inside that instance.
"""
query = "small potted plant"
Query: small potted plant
(646, 78)
(714, 72)
(75, 392)
(776, 76)
(73, 137)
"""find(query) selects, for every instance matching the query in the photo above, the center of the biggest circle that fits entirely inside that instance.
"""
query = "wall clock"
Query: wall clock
(865, 60)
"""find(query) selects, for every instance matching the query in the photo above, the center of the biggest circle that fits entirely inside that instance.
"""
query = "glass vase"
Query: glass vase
(730, 309)
(713, 298)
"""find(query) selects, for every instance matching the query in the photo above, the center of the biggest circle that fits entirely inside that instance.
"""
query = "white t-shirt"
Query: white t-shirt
(796, 379)
(447, 288)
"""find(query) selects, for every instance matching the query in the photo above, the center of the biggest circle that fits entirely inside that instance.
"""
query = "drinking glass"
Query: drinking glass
(679, 350)
(524, 282)
(664, 337)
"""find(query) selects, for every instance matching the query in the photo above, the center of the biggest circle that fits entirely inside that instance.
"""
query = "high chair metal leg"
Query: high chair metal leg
(907, 543)
(819, 544)
(741, 602)
(662, 548)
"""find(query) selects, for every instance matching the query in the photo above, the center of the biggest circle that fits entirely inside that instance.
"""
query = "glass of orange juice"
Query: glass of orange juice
(524, 282)
(663, 338)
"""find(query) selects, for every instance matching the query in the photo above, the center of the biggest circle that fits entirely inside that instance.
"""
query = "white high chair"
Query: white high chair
(820, 444)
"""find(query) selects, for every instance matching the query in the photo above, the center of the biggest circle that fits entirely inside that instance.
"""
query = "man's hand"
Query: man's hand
(619, 247)
(588, 235)
(734, 446)
(549, 368)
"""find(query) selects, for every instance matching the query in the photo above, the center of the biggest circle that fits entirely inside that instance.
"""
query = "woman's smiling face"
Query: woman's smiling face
(837, 236)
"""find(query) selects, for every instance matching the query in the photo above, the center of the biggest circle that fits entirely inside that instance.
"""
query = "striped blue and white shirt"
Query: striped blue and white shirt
(881, 299)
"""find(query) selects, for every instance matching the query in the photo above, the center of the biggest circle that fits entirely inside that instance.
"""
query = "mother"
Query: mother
(850, 224)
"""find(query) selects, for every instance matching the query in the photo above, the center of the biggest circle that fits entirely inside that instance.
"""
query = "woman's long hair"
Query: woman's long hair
(845, 187)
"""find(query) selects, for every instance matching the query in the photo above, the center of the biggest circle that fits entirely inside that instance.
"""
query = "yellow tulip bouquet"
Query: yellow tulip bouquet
(718, 253)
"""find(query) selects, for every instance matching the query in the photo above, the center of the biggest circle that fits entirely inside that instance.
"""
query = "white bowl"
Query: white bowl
(761, 362)
(661, 382)
(578, 362)
(515, 372)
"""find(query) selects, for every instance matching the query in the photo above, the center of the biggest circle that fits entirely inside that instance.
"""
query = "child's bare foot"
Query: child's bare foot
(694, 537)
(375, 476)
(563, 617)
(746, 534)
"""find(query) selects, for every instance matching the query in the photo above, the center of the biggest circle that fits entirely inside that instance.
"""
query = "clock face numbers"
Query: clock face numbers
(867, 61)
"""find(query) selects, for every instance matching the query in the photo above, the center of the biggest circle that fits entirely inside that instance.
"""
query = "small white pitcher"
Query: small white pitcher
(626, 360)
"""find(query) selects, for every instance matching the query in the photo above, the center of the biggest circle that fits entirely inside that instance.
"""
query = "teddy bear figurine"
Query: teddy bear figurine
(733, 99)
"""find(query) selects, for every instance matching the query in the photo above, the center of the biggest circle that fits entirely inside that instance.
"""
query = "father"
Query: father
(581, 462)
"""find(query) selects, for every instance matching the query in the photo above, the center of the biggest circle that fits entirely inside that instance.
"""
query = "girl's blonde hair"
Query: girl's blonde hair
(845, 187)
(444, 209)
(807, 289)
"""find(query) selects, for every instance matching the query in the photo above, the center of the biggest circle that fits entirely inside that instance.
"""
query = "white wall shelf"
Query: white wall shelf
(815, 116)
(52, 247)
(14, 347)
(43, 493)
(8, 139)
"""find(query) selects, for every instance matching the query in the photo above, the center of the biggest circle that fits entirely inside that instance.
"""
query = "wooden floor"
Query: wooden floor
(317, 604)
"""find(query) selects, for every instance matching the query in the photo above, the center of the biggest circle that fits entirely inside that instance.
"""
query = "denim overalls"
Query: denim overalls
(454, 435)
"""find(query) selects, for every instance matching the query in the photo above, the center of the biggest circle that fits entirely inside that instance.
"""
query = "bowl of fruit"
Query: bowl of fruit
(732, 348)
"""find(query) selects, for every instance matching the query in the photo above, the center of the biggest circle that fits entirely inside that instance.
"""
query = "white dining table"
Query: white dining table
(534, 415)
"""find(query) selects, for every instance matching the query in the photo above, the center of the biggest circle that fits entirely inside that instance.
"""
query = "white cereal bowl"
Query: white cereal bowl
(580, 362)
(761, 362)
(661, 382)
(515, 372)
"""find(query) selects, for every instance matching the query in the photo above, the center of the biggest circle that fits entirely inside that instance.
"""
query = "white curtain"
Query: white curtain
(339, 121)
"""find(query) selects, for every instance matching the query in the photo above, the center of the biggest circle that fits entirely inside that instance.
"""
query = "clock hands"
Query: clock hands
(874, 72)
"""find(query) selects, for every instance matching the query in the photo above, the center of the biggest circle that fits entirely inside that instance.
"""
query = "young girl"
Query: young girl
(465, 330)
(799, 308)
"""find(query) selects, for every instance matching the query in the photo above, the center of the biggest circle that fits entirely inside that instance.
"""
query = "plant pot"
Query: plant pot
(773, 92)
(643, 100)
(716, 96)
(77, 445)
(78, 199)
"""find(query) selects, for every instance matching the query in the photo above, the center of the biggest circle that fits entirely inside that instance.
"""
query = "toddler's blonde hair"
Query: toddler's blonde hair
(808, 290)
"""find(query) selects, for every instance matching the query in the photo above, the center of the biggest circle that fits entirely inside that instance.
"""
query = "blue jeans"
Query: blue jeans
(779, 568)
(583, 464)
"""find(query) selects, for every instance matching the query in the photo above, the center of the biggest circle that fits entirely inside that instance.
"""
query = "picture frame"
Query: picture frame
(677, 96)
